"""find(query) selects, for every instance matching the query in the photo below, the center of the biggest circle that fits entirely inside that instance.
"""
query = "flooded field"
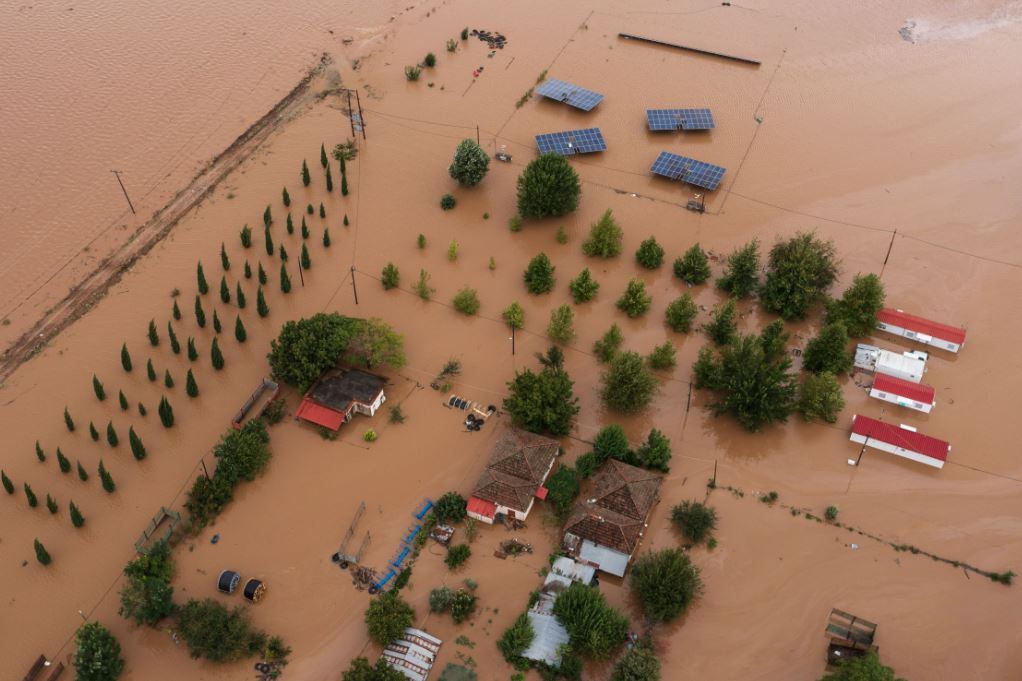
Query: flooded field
(902, 147)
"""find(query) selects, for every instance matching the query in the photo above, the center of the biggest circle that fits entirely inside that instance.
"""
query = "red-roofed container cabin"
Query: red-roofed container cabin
(904, 393)
(339, 394)
(899, 440)
(925, 331)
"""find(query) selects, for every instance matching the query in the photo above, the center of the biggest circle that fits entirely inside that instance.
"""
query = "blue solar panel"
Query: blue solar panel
(571, 142)
(572, 95)
(686, 119)
(698, 173)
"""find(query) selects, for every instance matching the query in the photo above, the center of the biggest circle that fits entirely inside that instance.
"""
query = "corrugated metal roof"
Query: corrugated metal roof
(609, 561)
(900, 437)
(550, 636)
(487, 509)
(921, 325)
(897, 386)
(318, 414)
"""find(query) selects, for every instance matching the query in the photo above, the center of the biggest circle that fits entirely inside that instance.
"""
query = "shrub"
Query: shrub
(587, 464)
(820, 397)
(98, 655)
(680, 313)
(539, 275)
(627, 384)
(452, 250)
(639, 663)
(387, 617)
(463, 605)
(361, 670)
(866, 668)
(741, 274)
(543, 402)
(611, 443)
(447, 201)
(722, 327)
(609, 344)
(514, 316)
(800, 271)
(516, 639)
(429, 60)
(604, 237)
(214, 632)
(548, 187)
(650, 254)
(515, 223)
(828, 351)
(665, 582)
(562, 325)
(583, 287)
(695, 520)
(662, 356)
(77, 519)
(450, 508)
(561, 236)
(562, 487)
(470, 163)
(858, 307)
(831, 513)
(634, 302)
(147, 596)
(452, 45)
(457, 555)
(422, 287)
(492, 265)
(440, 599)
(595, 628)
(655, 452)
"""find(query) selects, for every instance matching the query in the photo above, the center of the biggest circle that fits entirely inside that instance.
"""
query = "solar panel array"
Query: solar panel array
(572, 95)
(686, 119)
(698, 173)
(571, 142)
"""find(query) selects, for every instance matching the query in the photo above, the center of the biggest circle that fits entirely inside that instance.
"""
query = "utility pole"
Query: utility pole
(301, 276)
(351, 117)
(117, 174)
(354, 289)
(512, 341)
(203, 460)
(361, 117)
(477, 134)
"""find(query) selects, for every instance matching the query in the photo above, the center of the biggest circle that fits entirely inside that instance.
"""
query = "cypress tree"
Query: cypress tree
(122, 400)
(137, 448)
(106, 478)
(8, 485)
(322, 210)
(346, 220)
(305, 229)
(154, 338)
(176, 311)
(77, 519)
(200, 314)
(322, 157)
(305, 174)
(239, 296)
(268, 240)
(225, 262)
(329, 180)
(326, 237)
(97, 387)
(111, 434)
(63, 462)
(216, 322)
(83, 474)
(239, 330)
(39, 454)
(344, 184)
(191, 387)
(126, 356)
(68, 421)
(290, 224)
(150, 371)
(51, 505)
(285, 281)
(175, 346)
(201, 276)
(216, 356)
(248, 270)
(225, 293)
(286, 197)
(309, 209)
(93, 433)
(167, 412)
(141, 409)
(267, 217)
(30, 496)
(261, 307)
(246, 240)
(41, 554)
(262, 275)
(168, 380)
(193, 354)
(304, 260)
(283, 254)
(344, 167)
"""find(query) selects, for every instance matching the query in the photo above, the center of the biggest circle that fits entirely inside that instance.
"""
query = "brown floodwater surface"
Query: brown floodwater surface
(848, 127)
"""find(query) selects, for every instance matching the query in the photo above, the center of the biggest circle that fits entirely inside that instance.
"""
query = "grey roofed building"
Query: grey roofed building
(338, 389)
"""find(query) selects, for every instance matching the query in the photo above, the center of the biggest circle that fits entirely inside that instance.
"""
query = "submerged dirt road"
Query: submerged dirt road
(846, 128)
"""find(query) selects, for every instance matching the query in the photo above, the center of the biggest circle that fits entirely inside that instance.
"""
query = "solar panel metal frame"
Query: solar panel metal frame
(689, 170)
(685, 119)
(572, 95)
(569, 142)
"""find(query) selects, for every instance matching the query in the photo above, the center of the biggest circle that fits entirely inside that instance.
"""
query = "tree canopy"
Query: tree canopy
(693, 267)
(147, 596)
(387, 617)
(665, 582)
(867, 668)
(695, 520)
(374, 343)
(307, 347)
(548, 187)
(628, 385)
(539, 275)
(595, 628)
(470, 163)
(361, 670)
(637, 664)
(451, 507)
(741, 274)
(604, 237)
(543, 402)
(828, 351)
(819, 397)
(98, 656)
(800, 271)
(219, 634)
(857, 308)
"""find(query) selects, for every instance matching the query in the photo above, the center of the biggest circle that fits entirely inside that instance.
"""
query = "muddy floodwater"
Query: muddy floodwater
(891, 128)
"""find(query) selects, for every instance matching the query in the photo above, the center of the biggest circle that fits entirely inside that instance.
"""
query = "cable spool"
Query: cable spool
(228, 581)
(254, 590)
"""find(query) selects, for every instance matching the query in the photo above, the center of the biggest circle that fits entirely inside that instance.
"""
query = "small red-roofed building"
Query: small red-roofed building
(918, 396)
(921, 330)
(901, 441)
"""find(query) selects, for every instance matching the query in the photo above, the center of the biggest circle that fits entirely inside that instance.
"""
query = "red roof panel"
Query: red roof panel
(897, 386)
(487, 509)
(920, 325)
(900, 437)
(320, 415)
(541, 492)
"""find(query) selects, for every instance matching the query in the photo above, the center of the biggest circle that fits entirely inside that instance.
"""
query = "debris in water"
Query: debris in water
(906, 31)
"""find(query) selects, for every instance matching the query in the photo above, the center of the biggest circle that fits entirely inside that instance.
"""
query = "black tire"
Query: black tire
(344, 565)
(373, 590)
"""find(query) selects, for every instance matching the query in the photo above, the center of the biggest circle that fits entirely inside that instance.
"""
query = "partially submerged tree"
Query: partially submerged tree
(562, 325)
(722, 327)
(514, 316)
(650, 254)
(857, 308)
(548, 187)
(216, 633)
(470, 163)
(819, 397)
(450, 508)
(695, 520)
(466, 301)
(634, 302)
(543, 402)
(583, 287)
(800, 271)
(655, 452)
(307, 347)
(387, 617)
(628, 385)
(828, 351)
(147, 594)
(639, 663)
(741, 274)
(373, 342)
(665, 582)
(662, 356)
(866, 668)
(608, 345)
(98, 655)
(539, 275)
(361, 670)
(693, 267)
(604, 237)
(595, 628)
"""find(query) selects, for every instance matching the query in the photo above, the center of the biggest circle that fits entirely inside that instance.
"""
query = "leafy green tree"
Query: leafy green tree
(147, 596)
(693, 267)
(584, 287)
(604, 237)
(201, 279)
(819, 397)
(77, 519)
(8, 485)
(322, 157)
(283, 254)
(452, 250)
(137, 448)
(539, 275)
(217, 327)
(450, 508)
(562, 325)
(608, 345)
(166, 411)
(290, 224)
(286, 197)
(39, 454)
(51, 505)
(111, 434)
(200, 314)
(665, 582)
(239, 295)
(387, 617)
(216, 633)
(361, 670)
(106, 479)
(126, 356)
(612, 443)
(97, 387)
(774, 340)
(594, 627)
(261, 307)
(326, 237)
(268, 243)
(285, 280)
(514, 315)
(191, 387)
(548, 187)
(543, 402)
(30, 496)
(696, 521)
(390, 276)
(650, 254)
(307, 347)
(828, 351)
(216, 356)
(722, 327)
(306, 179)
(663, 356)
(470, 164)
(246, 237)
(68, 421)
(374, 343)
(466, 301)
(857, 308)
(867, 668)
(680, 313)
(516, 639)
(655, 452)
(463, 605)
(457, 555)
(41, 554)
(562, 487)
(800, 271)
(637, 664)
(175, 311)
(63, 462)
(175, 346)
(83, 474)
(628, 385)
(239, 330)
(741, 274)
(304, 260)
(634, 302)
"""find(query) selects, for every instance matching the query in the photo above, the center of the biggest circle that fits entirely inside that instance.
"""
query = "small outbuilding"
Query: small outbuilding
(908, 366)
(414, 654)
(921, 330)
(900, 440)
(339, 394)
(514, 477)
(918, 396)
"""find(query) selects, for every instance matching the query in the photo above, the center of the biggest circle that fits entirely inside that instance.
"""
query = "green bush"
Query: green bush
(828, 351)
(583, 287)
(604, 237)
(693, 267)
(650, 254)
(655, 452)
(543, 402)
(634, 302)
(466, 301)
(390, 276)
(665, 582)
(147, 596)
(562, 325)
(548, 187)
(450, 508)
(866, 668)
(628, 385)
(361, 670)
(663, 356)
(611, 443)
(457, 555)
(695, 520)
(241, 455)
(462, 605)
(470, 163)
(429, 60)
(800, 271)
(820, 397)
(831, 513)
(741, 274)
(98, 654)
(608, 345)
(562, 488)
(516, 639)
(440, 599)
(218, 634)
(680, 313)
(422, 287)
(514, 316)
(447, 201)
(539, 275)
(387, 617)
(858, 307)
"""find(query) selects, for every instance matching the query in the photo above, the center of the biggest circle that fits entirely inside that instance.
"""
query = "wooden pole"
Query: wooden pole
(477, 134)
(117, 174)
(351, 117)
(890, 247)
(301, 277)
(354, 288)
(512, 341)
(203, 460)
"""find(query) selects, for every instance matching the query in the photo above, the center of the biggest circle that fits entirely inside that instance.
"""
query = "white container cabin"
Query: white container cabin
(918, 396)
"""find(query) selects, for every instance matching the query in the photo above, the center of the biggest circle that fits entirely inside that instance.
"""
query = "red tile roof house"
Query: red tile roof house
(900, 323)
(514, 477)
(606, 526)
(899, 440)
(340, 393)
(904, 393)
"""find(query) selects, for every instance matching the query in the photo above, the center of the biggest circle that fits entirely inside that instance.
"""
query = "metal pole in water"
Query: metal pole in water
(354, 289)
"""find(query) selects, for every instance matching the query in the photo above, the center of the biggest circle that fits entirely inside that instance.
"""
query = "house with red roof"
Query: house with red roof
(339, 394)
(925, 331)
(918, 396)
(901, 441)
(514, 477)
